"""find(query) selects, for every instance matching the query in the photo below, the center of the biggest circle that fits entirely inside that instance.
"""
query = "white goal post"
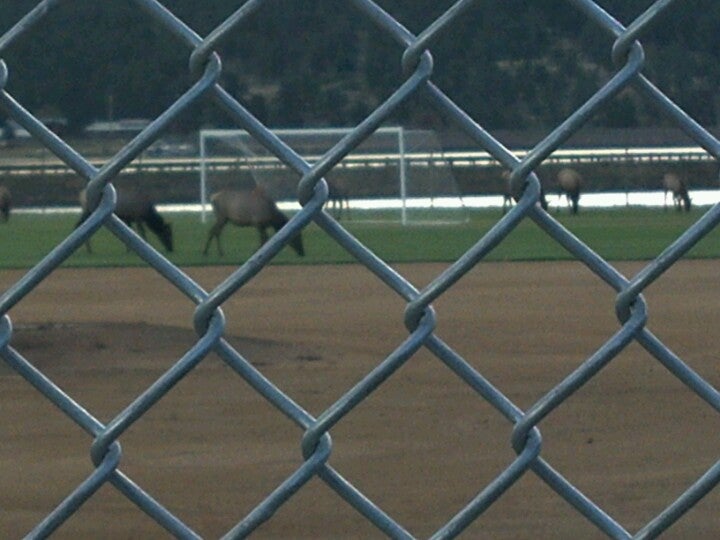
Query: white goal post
(377, 174)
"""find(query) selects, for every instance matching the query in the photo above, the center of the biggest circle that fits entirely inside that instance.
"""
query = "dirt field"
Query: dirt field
(423, 445)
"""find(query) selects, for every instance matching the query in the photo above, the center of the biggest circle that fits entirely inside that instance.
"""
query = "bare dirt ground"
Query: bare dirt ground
(422, 446)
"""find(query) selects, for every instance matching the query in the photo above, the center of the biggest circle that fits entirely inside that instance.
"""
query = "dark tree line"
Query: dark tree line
(510, 63)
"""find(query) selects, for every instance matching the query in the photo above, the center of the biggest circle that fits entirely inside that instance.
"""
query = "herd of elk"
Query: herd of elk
(134, 208)
(569, 184)
(247, 207)
(253, 207)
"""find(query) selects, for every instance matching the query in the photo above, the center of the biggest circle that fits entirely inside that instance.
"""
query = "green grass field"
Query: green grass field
(618, 234)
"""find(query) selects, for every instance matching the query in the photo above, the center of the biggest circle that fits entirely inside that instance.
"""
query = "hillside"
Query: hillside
(509, 64)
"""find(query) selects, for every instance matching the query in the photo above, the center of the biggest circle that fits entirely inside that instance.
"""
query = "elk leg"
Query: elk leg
(139, 227)
(83, 218)
(263, 235)
(214, 232)
(141, 230)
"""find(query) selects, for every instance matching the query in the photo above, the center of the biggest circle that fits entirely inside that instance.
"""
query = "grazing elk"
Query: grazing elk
(569, 183)
(674, 184)
(338, 199)
(5, 204)
(508, 200)
(248, 208)
(134, 208)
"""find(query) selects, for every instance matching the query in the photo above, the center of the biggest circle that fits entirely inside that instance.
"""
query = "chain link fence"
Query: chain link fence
(420, 319)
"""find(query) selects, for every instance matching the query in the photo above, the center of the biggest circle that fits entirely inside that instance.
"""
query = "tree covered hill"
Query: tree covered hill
(294, 63)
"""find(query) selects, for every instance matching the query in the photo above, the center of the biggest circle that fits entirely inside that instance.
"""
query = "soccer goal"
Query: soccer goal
(395, 175)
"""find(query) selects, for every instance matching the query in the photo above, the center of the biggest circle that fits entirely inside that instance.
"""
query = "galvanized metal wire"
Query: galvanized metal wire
(415, 58)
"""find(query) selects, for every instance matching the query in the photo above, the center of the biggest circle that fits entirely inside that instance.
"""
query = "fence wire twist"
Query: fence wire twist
(417, 63)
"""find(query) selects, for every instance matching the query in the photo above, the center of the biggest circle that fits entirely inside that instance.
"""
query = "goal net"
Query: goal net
(395, 175)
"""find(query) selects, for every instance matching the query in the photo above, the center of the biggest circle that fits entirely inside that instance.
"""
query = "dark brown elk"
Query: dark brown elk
(672, 183)
(5, 204)
(508, 200)
(338, 199)
(569, 183)
(134, 208)
(248, 208)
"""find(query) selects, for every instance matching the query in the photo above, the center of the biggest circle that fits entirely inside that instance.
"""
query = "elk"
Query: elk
(338, 199)
(5, 204)
(134, 208)
(569, 182)
(247, 208)
(674, 184)
(508, 200)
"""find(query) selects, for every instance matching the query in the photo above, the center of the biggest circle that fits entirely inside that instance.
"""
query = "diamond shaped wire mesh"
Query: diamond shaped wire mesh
(420, 317)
